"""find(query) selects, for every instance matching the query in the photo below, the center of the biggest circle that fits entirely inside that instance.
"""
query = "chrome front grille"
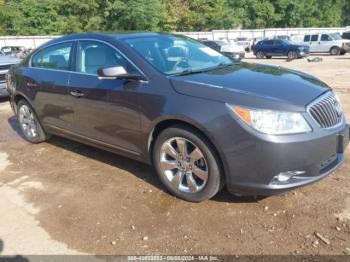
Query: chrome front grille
(326, 111)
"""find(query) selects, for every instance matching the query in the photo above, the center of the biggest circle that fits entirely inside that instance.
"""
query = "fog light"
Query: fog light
(285, 176)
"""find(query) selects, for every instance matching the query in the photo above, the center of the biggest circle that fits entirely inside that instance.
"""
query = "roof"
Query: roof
(100, 36)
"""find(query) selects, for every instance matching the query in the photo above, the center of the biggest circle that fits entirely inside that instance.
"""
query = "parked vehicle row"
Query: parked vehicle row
(6, 62)
(229, 49)
(203, 119)
(245, 42)
(327, 43)
(18, 51)
(332, 43)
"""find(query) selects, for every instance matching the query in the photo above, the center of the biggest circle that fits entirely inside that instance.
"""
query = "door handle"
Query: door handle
(29, 84)
(77, 93)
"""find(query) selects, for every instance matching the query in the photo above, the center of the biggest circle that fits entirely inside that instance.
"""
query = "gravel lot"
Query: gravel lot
(62, 197)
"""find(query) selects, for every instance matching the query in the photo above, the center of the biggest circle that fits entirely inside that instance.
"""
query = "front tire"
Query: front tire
(334, 50)
(29, 123)
(187, 164)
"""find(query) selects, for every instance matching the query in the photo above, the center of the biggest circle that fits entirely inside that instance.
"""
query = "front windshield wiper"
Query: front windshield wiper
(191, 71)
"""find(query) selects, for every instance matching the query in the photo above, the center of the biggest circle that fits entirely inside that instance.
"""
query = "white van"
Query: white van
(327, 43)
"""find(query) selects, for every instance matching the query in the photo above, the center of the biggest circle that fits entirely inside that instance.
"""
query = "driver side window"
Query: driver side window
(326, 38)
(93, 55)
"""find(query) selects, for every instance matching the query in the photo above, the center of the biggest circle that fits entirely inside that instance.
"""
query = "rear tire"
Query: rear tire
(187, 164)
(268, 57)
(260, 55)
(29, 123)
(335, 50)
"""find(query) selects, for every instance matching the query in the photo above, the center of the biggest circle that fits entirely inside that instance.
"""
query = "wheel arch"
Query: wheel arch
(19, 96)
(335, 46)
(169, 122)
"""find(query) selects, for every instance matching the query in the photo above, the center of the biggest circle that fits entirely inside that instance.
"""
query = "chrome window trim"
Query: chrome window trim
(316, 101)
(75, 72)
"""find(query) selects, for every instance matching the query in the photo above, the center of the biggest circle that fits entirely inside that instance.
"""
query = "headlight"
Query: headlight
(272, 122)
(337, 97)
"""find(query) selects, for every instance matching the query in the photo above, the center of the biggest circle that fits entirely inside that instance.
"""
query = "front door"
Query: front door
(325, 43)
(314, 45)
(106, 110)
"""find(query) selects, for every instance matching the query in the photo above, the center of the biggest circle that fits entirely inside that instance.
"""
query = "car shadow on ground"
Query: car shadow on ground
(11, 259)
(132, 166)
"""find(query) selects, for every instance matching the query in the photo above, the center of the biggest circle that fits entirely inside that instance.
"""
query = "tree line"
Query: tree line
(54, 17)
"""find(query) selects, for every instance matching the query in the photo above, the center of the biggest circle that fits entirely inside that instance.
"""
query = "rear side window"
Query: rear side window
(269, 42)
(325, 37)
(53, 57)
(278, 42)
(314, 38)
(307, 38)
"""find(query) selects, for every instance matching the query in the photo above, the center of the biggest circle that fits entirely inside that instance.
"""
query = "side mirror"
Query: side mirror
(117, 72)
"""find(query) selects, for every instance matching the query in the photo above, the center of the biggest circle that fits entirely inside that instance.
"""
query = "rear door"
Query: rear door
(106, 111)
(46, 81)
(268, 47)
(314, 45)
(279, 47)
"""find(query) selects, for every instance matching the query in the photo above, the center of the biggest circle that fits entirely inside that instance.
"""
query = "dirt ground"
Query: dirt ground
(62, 197)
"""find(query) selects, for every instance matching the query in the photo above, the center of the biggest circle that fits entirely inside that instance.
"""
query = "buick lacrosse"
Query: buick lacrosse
(202, 119)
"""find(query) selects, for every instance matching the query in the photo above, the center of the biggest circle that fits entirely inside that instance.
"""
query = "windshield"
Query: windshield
(335, 36)
(1, 52)
(176, 54)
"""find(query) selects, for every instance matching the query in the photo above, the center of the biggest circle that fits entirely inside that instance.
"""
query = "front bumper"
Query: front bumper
(303, 54)
(235, 55)
(253, 171)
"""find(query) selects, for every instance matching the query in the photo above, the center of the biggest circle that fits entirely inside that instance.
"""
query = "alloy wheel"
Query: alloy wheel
(27, 121)
(335, 51)
(184, 165)
(292, 55)
(260, 55)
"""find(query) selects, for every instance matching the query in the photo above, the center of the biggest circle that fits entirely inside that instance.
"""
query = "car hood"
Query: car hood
(253, 85)
(5, 60)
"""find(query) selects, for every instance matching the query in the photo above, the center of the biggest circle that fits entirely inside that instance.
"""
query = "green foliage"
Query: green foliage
(33, 17)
